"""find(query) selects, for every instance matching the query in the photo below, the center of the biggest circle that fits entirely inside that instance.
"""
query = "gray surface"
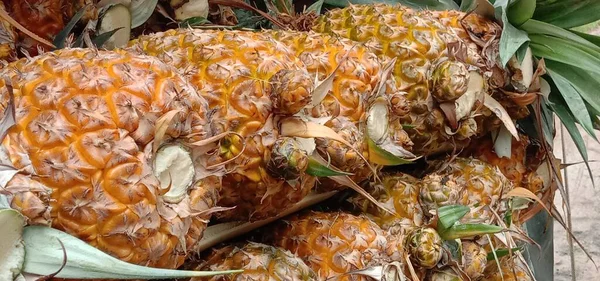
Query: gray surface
(585, 214)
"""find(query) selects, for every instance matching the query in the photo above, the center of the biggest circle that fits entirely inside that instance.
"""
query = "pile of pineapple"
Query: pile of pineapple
(379, 145)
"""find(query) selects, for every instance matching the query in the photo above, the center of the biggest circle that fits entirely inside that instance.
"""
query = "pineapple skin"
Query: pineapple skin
(335, 243)
(512, 270)
(399, 192)
(260, 262)
(347, 103)
(421, 40)
(465, 181)
(239, 73)
(83, 141)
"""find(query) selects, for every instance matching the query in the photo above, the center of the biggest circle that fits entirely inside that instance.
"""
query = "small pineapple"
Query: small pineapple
(90, 158)
(334, 244)
(398, 192)
(425, 247)
(520, 168)
(465, 181)
(260, 262)
(251, 81)
(474, 259)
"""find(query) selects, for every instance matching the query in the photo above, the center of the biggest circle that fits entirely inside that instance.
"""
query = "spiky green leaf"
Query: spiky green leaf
(317, 169)
(141, 10)
(538, 27)
(449, 215)
(61, 37)
(587, 85)
(589, 37)
(102, 38)
(558, 106)
(565, 51)
(458, 231)
(503, 252)
(512, 38)
(316, 7)
(568, 13)
(574, 102)
(194, 21)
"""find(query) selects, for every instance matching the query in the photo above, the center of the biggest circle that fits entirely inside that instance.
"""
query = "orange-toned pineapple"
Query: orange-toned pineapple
(103, 144)
(251, 82)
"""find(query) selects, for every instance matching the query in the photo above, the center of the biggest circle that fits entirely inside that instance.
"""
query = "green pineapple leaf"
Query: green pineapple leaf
(381, 156)
(101, 38)
(316, 7)
(566, 51)
(589, 37)
(316, 169)
(538, 27)
(141, 10)
(85, 261)
(502, 252)
(449, 215)
(61, 37)
(194, 21)
(587, 85)
(567, 13)
(12, 250)
(558, 106)
(511, 38)
(574, 102)
(458, 231)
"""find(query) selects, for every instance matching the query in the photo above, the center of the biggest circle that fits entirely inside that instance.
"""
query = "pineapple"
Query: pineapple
(442, 275)
(512, 270)
(520, 168)
(260, 262)
(8, 38)
(345, 108)
(103, 148)
(46, 18)
(474, 259)
(398, 192)
(251, 82)
(335, 244)
(435, 53)
(425, 247)
(465, 181)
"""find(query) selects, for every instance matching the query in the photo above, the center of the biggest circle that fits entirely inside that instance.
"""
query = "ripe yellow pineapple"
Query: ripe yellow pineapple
(520, 168)
(251, 82)
(474, 259)
(465, 181)
(260, 262)
(334, 244)
(398, 192)
(104, 147)
(345, 108)
(433, 67)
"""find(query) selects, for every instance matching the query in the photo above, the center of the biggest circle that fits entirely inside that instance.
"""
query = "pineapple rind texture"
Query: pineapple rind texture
(469, 182)
(85, 128)
(260, 262)
(336, 243)
(245, 78)
(421, 41)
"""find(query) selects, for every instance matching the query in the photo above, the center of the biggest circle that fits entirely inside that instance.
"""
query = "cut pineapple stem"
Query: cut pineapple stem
(12, 250)
(174, 168)
(116, 17)
(377, 120)
(185, 9)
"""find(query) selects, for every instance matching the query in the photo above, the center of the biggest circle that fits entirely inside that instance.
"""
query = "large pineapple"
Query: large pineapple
(465, 181)
(436, 61)
(104, 147)
(357, 77)
(251, 83)
(260, 262)
(337, 243)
